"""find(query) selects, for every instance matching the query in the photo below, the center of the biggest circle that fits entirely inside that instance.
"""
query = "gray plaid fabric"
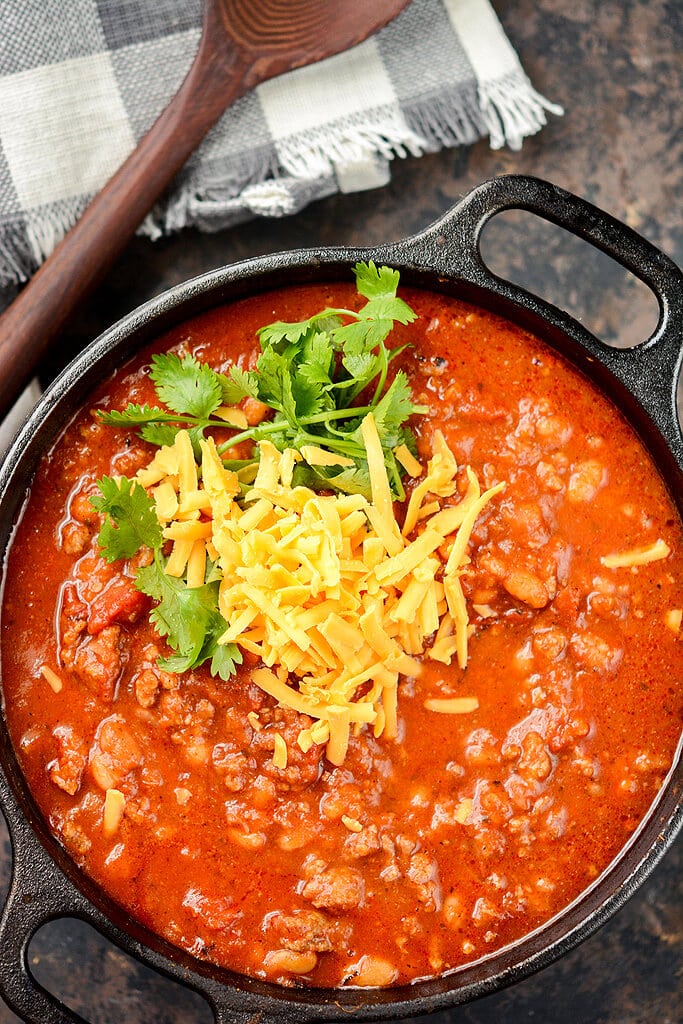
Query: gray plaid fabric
(82, 80)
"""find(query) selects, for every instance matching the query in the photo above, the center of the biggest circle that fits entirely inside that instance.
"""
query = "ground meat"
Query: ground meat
(362, 844)
(75, 538)
(72, 622)
(234, 766)
(146, 685)
(423, 873)
(215, 912)
(535, 762)
(74, 837)
(336, 889)
(306, 931)
(97, 662)
(303, 769)
(67, 769)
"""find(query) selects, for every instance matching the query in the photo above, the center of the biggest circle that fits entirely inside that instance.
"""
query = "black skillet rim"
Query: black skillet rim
(444, 258)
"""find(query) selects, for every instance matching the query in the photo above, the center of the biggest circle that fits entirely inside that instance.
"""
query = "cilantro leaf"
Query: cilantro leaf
(159, 433)
(373, 282)
(273, 335)
(240, 384)
(186, 385)
(133, 415)
(379, 285)
(393, 409)
(130, 520)
(350, 480)
(189, 619)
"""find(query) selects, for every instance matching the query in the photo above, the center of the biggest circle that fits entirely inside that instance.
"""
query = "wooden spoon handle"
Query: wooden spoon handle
(218, 76)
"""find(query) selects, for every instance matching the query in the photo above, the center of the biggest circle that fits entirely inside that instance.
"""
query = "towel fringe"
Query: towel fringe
(276, 182)
(17, 258)
(512, 109)
(450, 118)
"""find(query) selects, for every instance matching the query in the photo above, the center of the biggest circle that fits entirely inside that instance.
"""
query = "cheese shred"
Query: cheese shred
(51, 677)
(114, 806)
(452, 705)
(327, 591)
(637, 556)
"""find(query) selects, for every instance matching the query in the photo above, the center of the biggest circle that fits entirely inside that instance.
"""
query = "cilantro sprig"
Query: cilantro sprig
(311, 375)
(130, 521)
(189, 619)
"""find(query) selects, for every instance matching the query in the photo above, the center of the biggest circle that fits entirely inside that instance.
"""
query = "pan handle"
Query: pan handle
(38, 893)
(650, 370)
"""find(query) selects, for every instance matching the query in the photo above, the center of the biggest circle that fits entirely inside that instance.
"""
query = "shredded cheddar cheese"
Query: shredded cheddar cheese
(452, 705)
(408, 460)
(114, 806)
(51, 677)
(328, 591)
(279, 752)
(637, 556)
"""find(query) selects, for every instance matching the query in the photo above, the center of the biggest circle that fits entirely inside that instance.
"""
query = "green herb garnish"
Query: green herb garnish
(310, 375)
(189, 619)
(130, 520)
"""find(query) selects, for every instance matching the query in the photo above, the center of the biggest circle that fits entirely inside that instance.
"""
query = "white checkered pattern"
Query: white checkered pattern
(82, 80)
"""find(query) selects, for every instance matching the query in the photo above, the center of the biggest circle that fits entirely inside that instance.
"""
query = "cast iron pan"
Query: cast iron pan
(445, 257)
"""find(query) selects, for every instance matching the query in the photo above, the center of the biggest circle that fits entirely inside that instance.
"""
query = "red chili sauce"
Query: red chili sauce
(576, 668)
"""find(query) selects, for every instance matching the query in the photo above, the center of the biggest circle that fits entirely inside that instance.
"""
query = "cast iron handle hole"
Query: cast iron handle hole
(574, 275)
(105, 985)
(5, 860)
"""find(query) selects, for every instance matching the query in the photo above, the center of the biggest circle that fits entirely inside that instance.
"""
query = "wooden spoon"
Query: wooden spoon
(243, 42)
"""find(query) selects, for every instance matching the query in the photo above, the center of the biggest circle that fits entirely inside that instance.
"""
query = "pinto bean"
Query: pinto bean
(527, 588)
(535, 761)
(373, 972)
(286, 960)
(454, 912)
(254, 410)
(114, 753)
(81, 510)
(98, 662)
(585, 481)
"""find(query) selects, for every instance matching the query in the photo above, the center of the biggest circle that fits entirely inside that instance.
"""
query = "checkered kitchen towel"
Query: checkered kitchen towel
(82, 80)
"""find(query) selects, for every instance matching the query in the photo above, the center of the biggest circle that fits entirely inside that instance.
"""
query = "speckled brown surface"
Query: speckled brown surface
(616, 67)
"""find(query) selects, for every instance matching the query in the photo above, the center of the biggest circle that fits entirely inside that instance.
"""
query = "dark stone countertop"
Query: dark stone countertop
(616, 67)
